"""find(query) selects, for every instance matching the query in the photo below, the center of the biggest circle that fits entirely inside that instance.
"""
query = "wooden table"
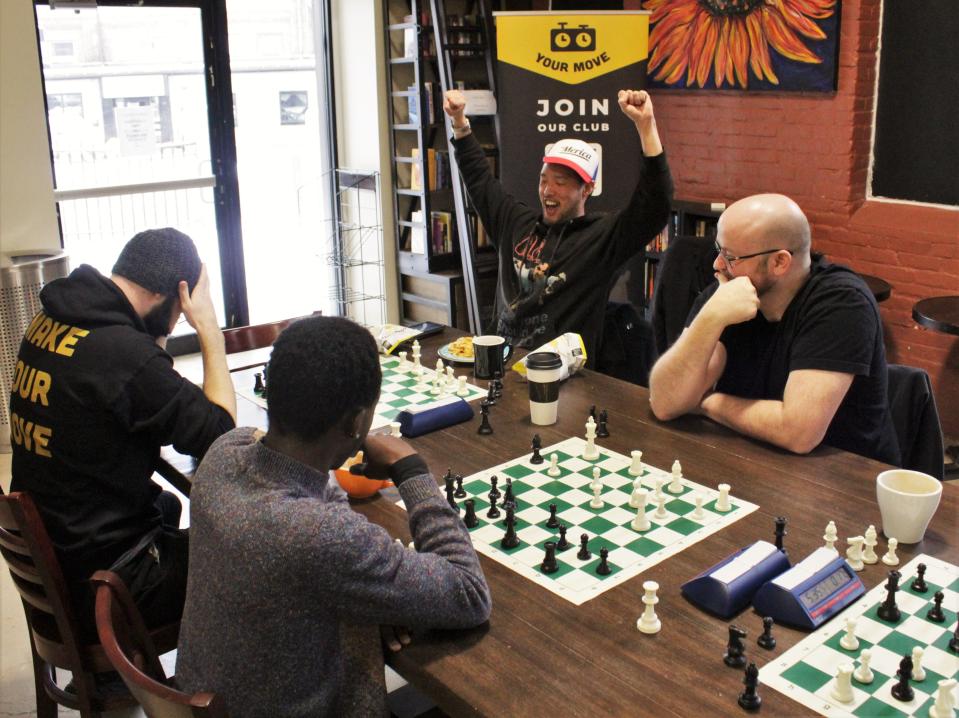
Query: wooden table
(542, 656)
(940, 314)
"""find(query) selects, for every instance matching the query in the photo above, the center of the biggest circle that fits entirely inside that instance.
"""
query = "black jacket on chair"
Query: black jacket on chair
(685, 271)
(916, 419)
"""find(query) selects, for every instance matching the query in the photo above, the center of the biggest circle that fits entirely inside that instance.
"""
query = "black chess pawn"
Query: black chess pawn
(460, 491)
(510, 540)
(258, 383)
(484, 427)
(562, 544)
(448, 474)
(902, 691)
(603, 568)
(602, 431)
(954, 641)
(766, 639)
(491, 394)
(470, 518)
(749, 699)
(494, 489)
(889, 611)
(498, 384)
(919, 582)
(449, 495)
(493, 512)
(592, 411)
(552, 522)
(780, 532)
(537, 444)
(549, 564)
(935, 613)
(584, 554)
(735, 655)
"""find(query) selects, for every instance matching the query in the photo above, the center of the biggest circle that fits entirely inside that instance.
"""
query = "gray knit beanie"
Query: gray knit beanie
(158, 260)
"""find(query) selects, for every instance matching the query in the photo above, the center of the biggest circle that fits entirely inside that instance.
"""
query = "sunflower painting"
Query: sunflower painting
(744, 44)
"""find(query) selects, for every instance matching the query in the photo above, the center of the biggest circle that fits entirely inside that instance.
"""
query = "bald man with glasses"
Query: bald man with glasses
(785, 347)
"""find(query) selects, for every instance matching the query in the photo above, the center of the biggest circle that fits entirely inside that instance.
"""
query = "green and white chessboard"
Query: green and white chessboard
(630, 552)
(400, 389)
(806, 672)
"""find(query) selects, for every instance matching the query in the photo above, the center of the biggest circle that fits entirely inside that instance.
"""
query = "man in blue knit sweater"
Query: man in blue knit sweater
(288, 586)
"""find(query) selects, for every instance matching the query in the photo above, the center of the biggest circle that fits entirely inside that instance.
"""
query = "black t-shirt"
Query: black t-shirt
(832, 324)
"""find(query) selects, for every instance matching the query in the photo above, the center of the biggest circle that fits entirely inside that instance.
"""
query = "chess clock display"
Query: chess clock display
(811, 592)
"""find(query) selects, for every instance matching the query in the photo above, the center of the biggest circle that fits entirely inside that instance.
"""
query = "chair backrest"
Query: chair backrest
(916, 419)
(127, 644)
(38, 577)
(255, 336)
(686, 269)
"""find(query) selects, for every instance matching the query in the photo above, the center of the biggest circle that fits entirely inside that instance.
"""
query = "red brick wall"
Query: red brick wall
(724, 145)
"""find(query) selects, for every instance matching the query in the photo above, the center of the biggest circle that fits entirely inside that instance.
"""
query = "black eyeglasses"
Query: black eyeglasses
(730, 259)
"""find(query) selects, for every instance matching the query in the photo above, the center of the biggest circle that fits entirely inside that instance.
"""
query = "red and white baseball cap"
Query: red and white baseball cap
(577, 155)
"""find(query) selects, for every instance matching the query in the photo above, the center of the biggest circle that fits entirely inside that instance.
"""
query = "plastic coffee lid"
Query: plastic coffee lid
(543, 360)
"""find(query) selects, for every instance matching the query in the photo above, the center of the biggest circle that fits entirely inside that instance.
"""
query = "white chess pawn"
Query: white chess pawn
(945, 700)
(435, 391)
(722, 503)
(854, 553)
(596, 474)
(641, 520)
(842, 691)
(831, 536)
(869, 542)
(553, 469)
(649, 621)
(461, 390)
(636, 467)
(659, 489)
(849, 640)
(864, 673)
(918, 672)
(698, 513)
(590, 453)
(596, 502)
(440, 367)
(676, 485)
(661, 506)
(890, 558)
(395, 429)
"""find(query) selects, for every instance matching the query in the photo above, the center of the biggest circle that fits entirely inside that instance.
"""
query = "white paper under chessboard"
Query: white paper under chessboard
(630, 552)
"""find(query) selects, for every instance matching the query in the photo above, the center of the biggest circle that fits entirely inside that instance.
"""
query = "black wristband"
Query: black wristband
(407, 468)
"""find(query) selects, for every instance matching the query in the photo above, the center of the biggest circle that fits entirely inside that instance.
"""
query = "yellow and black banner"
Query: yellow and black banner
(558, 77)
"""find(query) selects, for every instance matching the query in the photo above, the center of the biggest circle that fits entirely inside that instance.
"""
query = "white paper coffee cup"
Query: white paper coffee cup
(543, 373)
(907, 502)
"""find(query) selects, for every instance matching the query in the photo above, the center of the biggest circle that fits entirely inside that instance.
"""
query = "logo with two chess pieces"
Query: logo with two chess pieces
(579, 39)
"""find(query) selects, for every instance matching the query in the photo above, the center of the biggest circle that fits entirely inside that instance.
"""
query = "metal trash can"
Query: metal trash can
(20, 286)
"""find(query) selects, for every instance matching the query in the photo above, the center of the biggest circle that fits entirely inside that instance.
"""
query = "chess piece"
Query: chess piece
(766, 639)
(902, 691)
(510, 539)
(649, 622)
(659, 490)
(722, 503)
(395, 429)
(493, 512)
(634, 498)
(641, 520)
(854, 553)
(597, 501)
(491, 394)
(552, 522)
(592, 411)
(676, 485)
(508, 497)
(954, 641)
(460, 491)
(780, 532)
(402, 365)
(698, 512)
(536, 445)
(890, 558)
(945, 704)
(601, 430)
(660, 508)
(831, 536)
(935, 613)
(864, 674)
(583, 554)
(842, 690)
(889, 611)
(461, 389)
(749, 699)
(494, 488)
(849, 640)
(918, 672)
(435, 390)
(258, 387)
(636, 466)
(735, 655)
(449, 495)
(603, 568)
(549, 564)
(919, 582)
(869, 551)
(484, 427)
(470, 518)
(562, 544)
(498, 384)
(553, 469)
(590, 453)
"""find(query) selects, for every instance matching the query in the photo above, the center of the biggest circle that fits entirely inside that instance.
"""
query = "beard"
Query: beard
(157, 321)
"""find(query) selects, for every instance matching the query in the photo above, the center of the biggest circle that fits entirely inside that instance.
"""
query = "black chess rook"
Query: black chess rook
(549, 561)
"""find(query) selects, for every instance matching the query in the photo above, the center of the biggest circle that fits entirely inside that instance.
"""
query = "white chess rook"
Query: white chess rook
(641, 521)
(462, 390)
(722, 503)
(395, 429)
(842, 691)
(649, 621)
(636, 467)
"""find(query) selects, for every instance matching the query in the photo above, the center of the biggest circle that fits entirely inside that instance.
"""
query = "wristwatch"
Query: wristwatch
(461, 132)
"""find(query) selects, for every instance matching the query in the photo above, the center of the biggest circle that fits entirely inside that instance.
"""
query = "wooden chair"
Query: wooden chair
(54, 630)
(130, 649)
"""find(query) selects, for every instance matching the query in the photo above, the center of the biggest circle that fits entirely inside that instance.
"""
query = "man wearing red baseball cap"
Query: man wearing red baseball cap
(556, 265)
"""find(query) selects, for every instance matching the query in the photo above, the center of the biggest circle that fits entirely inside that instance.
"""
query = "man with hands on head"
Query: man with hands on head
(556, 262)
(96, 385)
(786, 347)
(289, 586)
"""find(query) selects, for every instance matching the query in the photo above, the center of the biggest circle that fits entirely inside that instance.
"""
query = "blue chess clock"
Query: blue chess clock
(811, 592)
(728, 587)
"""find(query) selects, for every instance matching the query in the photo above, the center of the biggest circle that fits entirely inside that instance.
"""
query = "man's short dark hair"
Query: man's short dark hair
(321, 369)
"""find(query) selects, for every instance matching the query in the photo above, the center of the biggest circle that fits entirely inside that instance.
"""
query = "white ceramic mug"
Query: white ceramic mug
(907, 502)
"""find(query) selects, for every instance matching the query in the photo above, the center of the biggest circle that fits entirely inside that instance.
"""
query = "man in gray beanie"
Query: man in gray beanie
(95, 396)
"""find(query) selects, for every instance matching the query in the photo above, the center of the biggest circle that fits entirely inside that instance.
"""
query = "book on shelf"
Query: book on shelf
(417, 233)
(442, 232)
(413, 105)
(416, 170)
(410, 46)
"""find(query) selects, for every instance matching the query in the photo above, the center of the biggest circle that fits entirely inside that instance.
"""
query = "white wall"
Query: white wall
(28, 218)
